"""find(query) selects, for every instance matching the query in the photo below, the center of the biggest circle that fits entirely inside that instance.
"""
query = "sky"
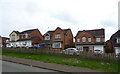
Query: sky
(47, 15)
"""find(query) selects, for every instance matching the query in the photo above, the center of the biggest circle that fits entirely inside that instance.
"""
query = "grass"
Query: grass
(67, 60)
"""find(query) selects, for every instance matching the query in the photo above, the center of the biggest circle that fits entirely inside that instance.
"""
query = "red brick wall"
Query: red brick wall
(87, 35)
(59, 31)
(69, 38)
(36, 33)
(66, 39)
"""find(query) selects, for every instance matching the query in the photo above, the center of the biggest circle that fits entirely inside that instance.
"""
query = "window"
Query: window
(26, 35)
(89, 39)
(118, 40)
(47, 37)
(57, 45)
(97, 39)
(90, 48)
(80, 48)
(78, 40)
(57, 36)
(83, 39)
(13, 36)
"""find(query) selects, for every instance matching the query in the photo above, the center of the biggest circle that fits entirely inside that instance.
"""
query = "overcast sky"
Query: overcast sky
(48, 14)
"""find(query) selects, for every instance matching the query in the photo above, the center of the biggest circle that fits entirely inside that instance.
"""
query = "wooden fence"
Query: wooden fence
(101, 57)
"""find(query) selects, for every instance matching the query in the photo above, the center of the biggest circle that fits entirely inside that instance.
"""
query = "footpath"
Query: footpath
(50, 66)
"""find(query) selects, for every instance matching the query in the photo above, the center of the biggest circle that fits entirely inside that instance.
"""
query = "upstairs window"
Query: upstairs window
(57, 36)
(118, 40)
(89, 39)
(26, 35)
(13, 36)
(78, 40)
(83, 39)
(47, 37)
(97, 39)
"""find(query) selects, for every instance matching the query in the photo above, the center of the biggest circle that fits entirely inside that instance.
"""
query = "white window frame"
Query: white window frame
(13, 36)
(83, 39)
(78, 40)
(26, 35)
(89, 39)
(97, 39)
(57, 45)
(57, 36)
(118, 40)
(47, 36)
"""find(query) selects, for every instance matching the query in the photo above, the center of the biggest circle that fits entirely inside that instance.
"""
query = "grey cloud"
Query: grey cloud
(64, 16)
(108, 22)
(33, 8)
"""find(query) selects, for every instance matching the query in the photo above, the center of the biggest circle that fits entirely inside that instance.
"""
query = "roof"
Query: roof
(28, 31)
(5, 38)
(50, 32)
(26, 39)
(114, 39)
(95, 32)
(64, 30)
(17, 32)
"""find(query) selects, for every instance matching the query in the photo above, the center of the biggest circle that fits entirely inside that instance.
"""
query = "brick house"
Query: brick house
(114, 42)
(90, 40)
(58, 39)
(3, 41)
(26, 38)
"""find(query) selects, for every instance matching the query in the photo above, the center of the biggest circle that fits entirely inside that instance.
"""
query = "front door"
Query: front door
(85, 49)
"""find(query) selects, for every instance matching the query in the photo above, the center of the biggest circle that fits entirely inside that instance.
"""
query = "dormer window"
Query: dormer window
(118, 40)
(47, 36)
(57, 36)
(83, 39)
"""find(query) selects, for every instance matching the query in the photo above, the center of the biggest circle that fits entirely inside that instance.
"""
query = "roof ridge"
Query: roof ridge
(92, 29)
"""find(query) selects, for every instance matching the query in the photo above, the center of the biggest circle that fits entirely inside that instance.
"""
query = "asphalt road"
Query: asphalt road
(14, 67)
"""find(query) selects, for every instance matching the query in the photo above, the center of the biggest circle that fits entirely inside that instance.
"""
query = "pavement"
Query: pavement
(15, 67)
(50, 66)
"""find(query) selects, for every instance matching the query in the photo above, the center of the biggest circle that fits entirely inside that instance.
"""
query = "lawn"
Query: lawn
(67, 60)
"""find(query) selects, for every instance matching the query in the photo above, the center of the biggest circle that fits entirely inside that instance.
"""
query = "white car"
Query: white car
(98, 51)
(71, 51)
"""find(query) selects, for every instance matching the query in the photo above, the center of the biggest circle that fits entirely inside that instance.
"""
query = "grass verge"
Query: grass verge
(67, 60)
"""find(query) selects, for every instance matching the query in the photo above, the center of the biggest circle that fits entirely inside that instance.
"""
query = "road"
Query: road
(14, 67)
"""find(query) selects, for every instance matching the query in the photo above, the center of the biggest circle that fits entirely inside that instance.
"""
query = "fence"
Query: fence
(101, 57)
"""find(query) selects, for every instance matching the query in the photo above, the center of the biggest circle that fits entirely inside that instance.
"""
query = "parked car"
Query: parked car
(118, 55)
(98, 51)
(71, 51)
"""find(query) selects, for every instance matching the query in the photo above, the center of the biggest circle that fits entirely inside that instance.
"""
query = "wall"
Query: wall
(36, 33)
(87, 35)
(69, 38)
(16, 36)
(59, 31)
